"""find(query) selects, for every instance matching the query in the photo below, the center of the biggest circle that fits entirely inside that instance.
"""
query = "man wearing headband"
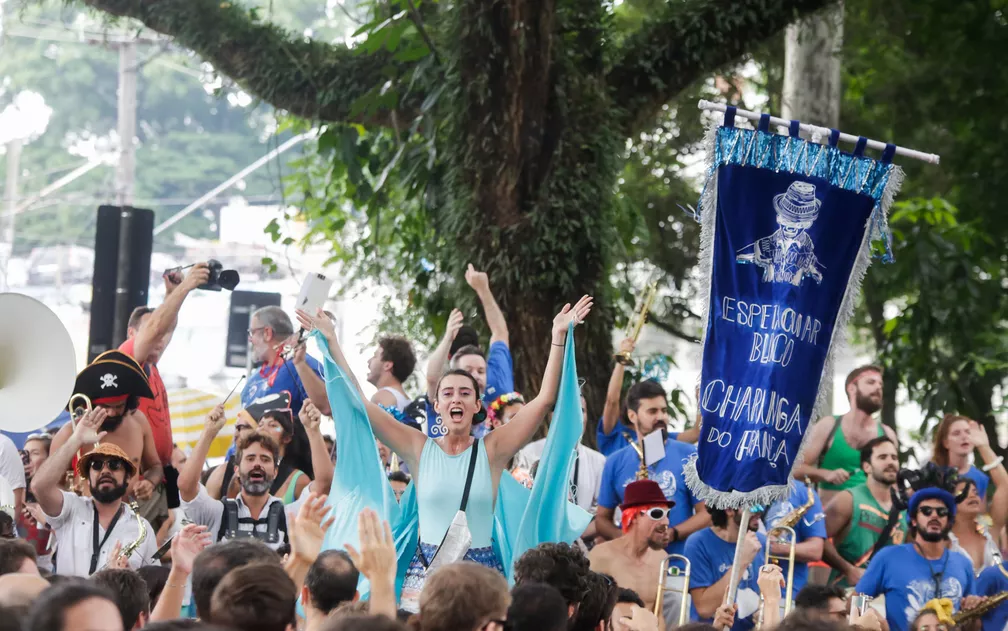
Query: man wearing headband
(634, 559)
(91, 531)
(115, 383)
(914, 573)
(832, 455)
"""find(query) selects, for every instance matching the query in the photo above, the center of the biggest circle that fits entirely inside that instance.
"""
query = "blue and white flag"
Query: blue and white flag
(786, 237)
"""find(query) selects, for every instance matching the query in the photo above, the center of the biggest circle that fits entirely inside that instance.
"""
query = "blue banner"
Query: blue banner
(787, 228)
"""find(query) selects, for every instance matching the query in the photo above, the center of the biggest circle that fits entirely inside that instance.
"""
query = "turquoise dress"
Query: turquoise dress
(442, 481)
(502, 531)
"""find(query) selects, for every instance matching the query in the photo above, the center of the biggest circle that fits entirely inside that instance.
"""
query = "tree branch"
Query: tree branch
(310, 79)
(687, 40)
(671, 329)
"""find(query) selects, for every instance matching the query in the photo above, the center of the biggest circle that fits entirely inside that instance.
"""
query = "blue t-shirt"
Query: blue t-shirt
(269, 380)
(711, 557)
(908, 581)
(621, 469)
(991, 581)
(618, 438)
(500, 380)
(981, 479)
(812, 524)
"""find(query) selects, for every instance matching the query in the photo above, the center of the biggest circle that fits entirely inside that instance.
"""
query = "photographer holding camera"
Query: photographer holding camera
(147, 336)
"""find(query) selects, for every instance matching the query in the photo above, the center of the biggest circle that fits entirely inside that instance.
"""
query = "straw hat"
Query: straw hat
(105, 450)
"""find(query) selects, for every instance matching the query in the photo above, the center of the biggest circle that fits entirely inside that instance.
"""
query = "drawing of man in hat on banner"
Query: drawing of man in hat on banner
(788, 255)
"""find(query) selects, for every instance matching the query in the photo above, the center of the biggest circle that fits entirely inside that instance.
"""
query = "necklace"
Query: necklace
(935, 576)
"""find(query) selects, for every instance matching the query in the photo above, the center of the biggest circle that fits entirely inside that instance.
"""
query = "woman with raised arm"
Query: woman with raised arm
(442, 466)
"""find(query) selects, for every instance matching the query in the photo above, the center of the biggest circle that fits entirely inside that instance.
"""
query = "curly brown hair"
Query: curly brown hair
(558, 564)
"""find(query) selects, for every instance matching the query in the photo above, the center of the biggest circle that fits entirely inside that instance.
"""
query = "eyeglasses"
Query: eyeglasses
(656, 513)
(39, 436)
(252, 332)
(113, 464)
(941, 511)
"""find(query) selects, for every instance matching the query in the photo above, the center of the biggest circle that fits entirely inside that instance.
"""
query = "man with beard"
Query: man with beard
(115, 383)
(711, 553)
(254, 512)
(857, 519)
(647, 408)
(831, 456)
(634, 559)
(91, 531)
(912, 574)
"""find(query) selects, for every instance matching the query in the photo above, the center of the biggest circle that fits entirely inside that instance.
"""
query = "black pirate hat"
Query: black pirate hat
(112, 377)
(277, 402)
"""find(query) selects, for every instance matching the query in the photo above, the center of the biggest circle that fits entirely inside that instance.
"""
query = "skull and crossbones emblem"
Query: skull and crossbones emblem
(108, 380)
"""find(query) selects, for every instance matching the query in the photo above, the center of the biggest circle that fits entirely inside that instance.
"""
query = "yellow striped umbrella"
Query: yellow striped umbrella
(189, 408)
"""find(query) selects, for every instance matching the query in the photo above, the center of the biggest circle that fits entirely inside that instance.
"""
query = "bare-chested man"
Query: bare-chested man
(832, 457)
(116, 383)
(634, 559)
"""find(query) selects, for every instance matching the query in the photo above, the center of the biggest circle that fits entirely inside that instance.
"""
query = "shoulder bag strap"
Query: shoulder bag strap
(469, 475)
(829, 441)
(229, 520)
(96, 546)
(462, 506)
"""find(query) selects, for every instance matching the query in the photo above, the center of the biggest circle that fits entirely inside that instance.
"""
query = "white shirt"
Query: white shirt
(402, 401)
(11, 467)
(74, 532)
(589, 470)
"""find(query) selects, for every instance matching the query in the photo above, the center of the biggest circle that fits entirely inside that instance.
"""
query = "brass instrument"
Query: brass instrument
(777, 558)
(79, 405)
(791, 519)
(128, 550)
(637, 320)
(642, 473)
(986, 605)
(669, 571)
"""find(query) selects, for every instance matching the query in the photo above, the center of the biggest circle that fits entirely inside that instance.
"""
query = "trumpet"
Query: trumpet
(668, 571)
(78, 412)
(637, 320)
(776, 559)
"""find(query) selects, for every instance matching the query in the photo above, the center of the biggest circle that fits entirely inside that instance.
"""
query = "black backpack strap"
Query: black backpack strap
(273, 519)
(469, 475)
(229, 520)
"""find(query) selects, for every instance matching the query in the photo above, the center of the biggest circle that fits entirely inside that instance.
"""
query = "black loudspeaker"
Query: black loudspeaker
(109, 315)
(243, 305)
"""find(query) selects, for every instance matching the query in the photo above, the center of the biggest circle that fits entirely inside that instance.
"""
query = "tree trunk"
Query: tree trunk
(812, 86)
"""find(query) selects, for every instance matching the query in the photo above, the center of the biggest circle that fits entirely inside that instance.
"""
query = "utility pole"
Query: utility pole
(125, 176)
(10, 208)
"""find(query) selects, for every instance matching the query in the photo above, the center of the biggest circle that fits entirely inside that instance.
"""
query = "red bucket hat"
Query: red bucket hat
(644, 493)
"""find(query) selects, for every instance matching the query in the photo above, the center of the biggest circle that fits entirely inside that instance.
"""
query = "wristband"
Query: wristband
(994, 464)
(675, 535)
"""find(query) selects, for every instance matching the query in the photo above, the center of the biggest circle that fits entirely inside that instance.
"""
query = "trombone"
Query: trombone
(78, 412)
(668, 571)
(637, 321)
(776, 559)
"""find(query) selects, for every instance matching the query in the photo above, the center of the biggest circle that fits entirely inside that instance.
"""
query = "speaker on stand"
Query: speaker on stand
(119, 284)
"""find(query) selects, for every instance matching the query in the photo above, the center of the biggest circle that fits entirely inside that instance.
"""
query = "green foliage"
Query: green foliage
(945, 340)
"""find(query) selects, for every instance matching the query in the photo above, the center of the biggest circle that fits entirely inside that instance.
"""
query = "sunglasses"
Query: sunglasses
(656, 513)
(39, 436)
(927, 511)
(113, 464)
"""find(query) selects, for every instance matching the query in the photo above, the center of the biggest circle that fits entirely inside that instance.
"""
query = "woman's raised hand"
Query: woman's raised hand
(568, 314)
(320, 321)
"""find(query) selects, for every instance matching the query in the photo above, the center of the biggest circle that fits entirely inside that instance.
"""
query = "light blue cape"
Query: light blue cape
(523, 518)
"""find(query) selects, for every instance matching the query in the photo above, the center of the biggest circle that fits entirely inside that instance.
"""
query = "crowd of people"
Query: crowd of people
(111, 526)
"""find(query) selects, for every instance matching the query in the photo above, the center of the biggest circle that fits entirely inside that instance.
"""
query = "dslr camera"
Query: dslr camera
(220, 278)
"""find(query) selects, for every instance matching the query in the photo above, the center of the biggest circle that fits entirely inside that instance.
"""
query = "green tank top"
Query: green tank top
(288, 497)
(868, 519)
(841, 455)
